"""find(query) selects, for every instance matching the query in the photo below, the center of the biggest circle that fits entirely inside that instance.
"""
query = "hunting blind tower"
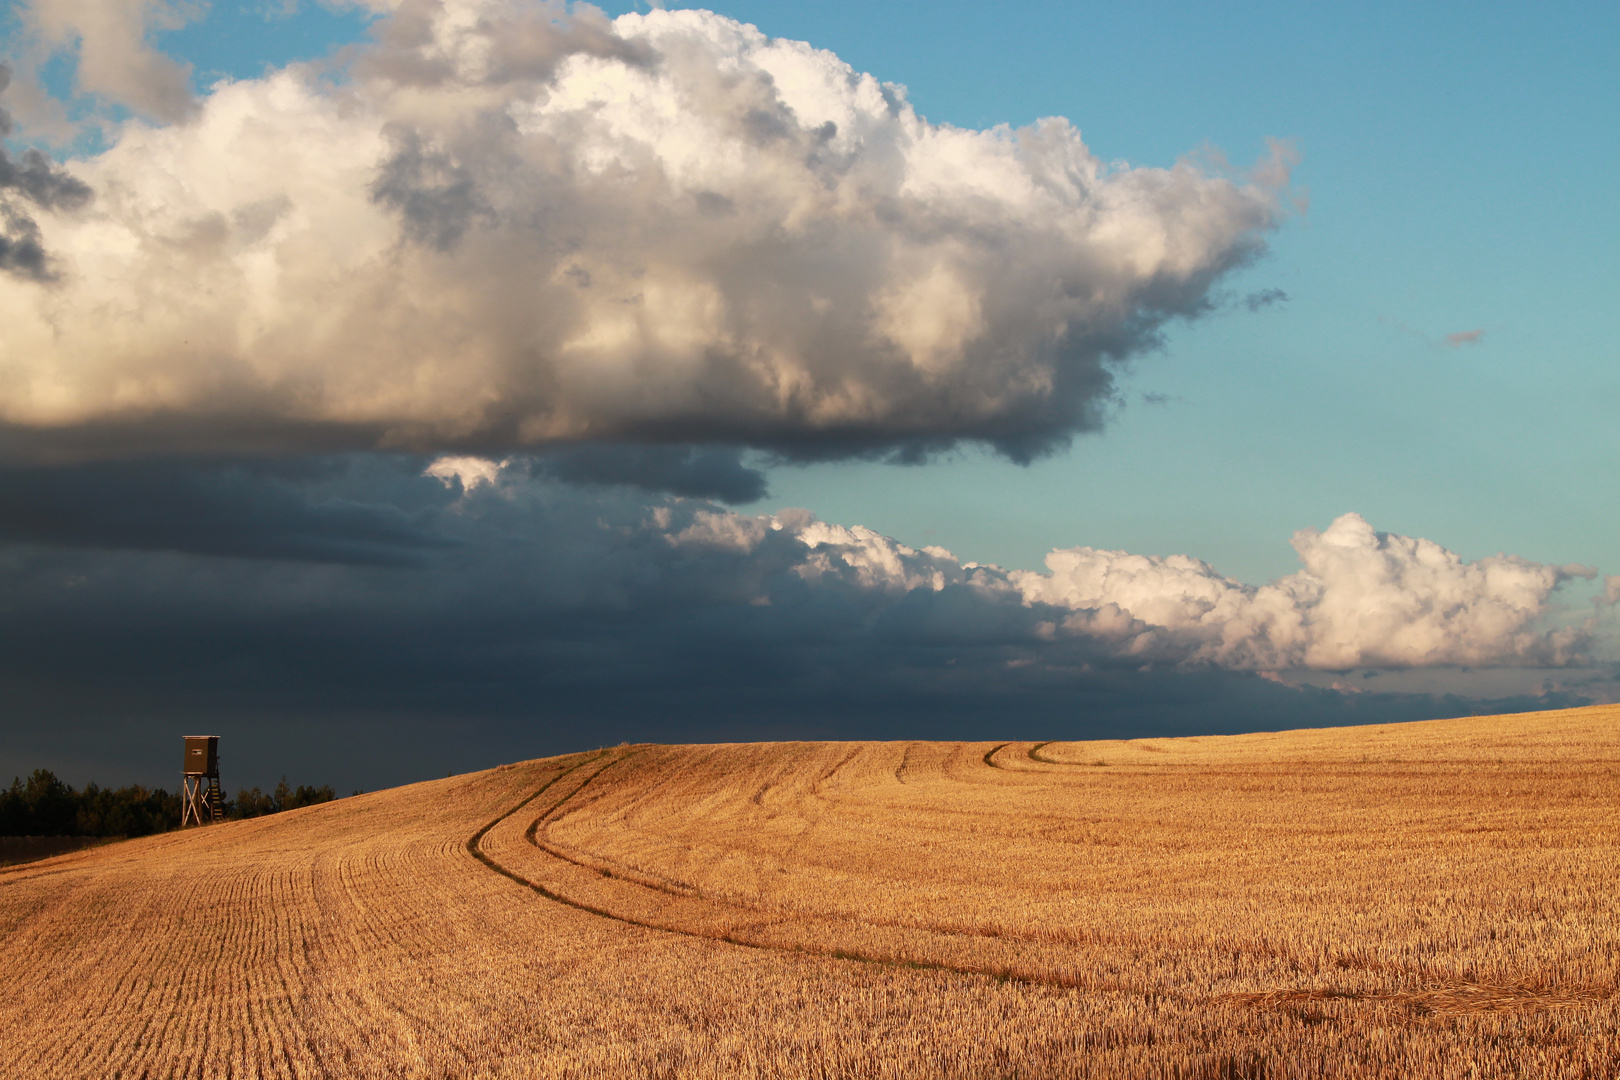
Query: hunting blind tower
(201, 799)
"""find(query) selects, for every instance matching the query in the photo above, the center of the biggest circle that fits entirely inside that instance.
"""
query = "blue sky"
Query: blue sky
(1458, 161)
(1437, 356)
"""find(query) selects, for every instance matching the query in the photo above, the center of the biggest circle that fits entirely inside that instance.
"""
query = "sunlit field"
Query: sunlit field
(1416, 900)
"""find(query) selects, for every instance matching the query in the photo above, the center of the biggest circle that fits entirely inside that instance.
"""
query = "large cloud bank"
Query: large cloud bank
(513, 225)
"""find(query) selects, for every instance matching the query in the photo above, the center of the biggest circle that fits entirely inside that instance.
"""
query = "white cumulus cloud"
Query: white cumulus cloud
(1362, 598)
(469, 472)
(517, 225)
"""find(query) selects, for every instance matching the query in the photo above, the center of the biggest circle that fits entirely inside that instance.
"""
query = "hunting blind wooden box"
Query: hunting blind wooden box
(202, 755)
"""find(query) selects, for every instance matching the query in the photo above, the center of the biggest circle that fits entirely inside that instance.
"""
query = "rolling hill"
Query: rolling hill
(1416, 900)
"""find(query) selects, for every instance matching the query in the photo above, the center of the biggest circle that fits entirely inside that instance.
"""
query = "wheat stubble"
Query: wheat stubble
(1419, 900)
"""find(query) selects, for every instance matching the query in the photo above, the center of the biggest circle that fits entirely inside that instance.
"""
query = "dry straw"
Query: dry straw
(1419, 900)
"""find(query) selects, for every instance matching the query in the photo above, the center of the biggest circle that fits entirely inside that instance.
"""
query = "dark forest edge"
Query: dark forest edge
(43, 806)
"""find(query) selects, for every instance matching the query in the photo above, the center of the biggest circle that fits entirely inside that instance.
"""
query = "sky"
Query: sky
(402, 388)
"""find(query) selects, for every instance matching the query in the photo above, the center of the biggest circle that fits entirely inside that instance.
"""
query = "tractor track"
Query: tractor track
(1002, 973)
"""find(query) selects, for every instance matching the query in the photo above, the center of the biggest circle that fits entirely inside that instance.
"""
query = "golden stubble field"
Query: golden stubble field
(1416, 900)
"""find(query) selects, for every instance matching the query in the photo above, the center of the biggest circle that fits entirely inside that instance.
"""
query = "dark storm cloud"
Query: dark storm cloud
(696, 472)
(243, 510)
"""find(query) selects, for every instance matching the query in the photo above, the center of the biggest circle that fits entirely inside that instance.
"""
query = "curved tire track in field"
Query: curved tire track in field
(1033, 753)
(773, 930)
(478, 853)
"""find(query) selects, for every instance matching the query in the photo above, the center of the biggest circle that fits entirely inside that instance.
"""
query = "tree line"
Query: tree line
(43, 805)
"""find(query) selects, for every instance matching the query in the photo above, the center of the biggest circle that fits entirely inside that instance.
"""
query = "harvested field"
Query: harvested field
(1418, 900)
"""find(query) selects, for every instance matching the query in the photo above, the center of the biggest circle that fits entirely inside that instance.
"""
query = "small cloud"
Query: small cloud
(1156, 398)
(469, 472)
(111, 46)
(1611, 590)
(1257, 301)
(1448, 341)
